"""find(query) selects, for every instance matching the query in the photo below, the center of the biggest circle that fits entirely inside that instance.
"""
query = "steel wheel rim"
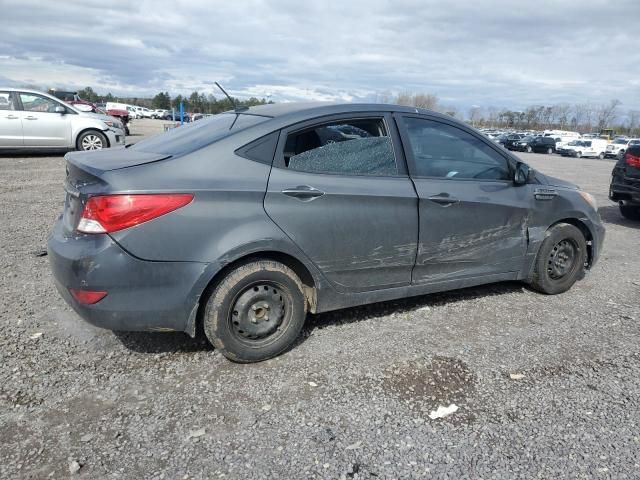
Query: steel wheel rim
(260, 313)
(562, 259)
(92, 142)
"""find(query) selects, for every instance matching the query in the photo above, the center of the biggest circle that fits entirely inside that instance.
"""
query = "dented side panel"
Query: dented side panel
(483, 233)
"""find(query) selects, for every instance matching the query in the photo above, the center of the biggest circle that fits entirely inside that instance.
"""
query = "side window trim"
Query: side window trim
(389, 125)
(411, 163)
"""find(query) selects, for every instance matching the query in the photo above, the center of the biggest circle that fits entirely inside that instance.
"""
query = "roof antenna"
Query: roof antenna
(236, 107)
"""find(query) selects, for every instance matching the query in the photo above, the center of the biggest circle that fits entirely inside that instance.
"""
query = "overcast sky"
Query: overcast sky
(500, 53)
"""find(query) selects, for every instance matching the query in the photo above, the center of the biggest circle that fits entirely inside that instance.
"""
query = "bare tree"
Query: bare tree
(634, 122)
(607, 113)
(474, 114)
(419, 100)
(562, 112)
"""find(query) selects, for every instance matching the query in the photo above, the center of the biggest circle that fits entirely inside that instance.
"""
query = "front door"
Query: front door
(473, 219)
(42, 125)
(10, 121)
(339, 189)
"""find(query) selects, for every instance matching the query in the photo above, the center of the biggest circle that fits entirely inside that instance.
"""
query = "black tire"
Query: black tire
(256, 312)
(549, 151)
(630, 212)
(560, 260)
(579, 154)
(126, 130)
(92, 140)
(528, 149)
(601, 156)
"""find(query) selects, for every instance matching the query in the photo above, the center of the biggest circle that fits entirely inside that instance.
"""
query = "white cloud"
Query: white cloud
(469, 53)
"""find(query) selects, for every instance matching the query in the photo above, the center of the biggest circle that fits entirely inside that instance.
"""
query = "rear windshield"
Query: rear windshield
(191, 137)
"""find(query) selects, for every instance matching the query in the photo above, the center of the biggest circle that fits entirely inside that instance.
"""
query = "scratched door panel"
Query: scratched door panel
(361, 233)
(482, 233)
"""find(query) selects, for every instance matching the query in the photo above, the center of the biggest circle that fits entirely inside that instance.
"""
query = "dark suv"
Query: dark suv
(536, 144)
(625, 183)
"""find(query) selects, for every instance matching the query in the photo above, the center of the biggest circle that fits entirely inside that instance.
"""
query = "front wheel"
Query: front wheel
(579, 154)
(561, 259)
(256, 312)
(528, 149)
(91, 140)
(549, 151)
(630, 212)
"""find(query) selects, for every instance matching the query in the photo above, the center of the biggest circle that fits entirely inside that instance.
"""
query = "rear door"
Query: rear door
(10, 121)
(340, 190)
(41, 124)
(473, 219)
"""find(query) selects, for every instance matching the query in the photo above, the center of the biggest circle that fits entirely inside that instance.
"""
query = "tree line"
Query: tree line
(584, 117)
(195, 103)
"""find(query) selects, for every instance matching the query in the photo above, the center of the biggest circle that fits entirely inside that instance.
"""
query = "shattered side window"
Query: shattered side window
(359, 147)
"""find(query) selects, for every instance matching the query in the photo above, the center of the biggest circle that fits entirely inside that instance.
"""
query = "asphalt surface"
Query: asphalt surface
(546, 386)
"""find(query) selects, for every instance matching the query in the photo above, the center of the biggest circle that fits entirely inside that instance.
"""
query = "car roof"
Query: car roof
(315, 109)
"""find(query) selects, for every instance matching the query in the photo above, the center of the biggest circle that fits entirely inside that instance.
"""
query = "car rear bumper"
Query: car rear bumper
(625, 189)
(141, 295)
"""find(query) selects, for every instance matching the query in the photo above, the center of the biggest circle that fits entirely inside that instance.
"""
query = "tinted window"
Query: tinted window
(191, 137)
(445, 151)
(349, 147)
(38, 103)
(6, 101)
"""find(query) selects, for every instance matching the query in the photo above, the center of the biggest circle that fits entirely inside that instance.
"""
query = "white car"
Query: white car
(592, 147)
(618, 147)
(159, 112)
(30, 119)
(147, 113)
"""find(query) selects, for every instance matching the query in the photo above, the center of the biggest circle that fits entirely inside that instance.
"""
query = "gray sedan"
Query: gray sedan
(244, 222)
(31, 120)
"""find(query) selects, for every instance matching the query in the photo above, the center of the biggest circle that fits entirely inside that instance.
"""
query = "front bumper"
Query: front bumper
(115, 136)
(142, 295)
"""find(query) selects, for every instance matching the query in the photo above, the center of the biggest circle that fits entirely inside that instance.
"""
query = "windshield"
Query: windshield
(620, 141)
(528, 138)
(189, 138)
(575, 143)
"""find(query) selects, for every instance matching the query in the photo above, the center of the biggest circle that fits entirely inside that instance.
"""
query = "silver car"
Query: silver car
(30, 119)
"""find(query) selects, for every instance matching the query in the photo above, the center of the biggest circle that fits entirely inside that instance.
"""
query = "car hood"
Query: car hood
(99, 116)
(555, 182)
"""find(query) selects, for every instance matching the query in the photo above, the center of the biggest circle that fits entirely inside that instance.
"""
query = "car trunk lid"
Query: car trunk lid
(85, 177)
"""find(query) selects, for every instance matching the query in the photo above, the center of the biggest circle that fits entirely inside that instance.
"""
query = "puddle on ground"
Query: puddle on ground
(424, 386)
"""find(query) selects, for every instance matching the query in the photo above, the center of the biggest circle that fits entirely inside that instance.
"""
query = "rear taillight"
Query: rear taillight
(632, 160)
(110, 213)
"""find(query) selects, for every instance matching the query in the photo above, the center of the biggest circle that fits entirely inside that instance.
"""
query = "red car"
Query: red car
(72, 98)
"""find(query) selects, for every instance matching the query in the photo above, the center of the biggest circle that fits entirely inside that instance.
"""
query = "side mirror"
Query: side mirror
(60, 109)
(522, 174)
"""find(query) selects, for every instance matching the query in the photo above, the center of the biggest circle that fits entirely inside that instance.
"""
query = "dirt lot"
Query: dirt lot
(547, 387)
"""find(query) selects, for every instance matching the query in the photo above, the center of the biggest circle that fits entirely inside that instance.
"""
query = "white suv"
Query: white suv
(618, 147)
(30, 119)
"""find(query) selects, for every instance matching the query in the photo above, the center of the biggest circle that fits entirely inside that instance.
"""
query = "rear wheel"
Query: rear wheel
(256, 312)
(549, 151)
(630, 212)
(579, 154)
(561, 259)
(601, 156)
(92, 140)
(528, 149)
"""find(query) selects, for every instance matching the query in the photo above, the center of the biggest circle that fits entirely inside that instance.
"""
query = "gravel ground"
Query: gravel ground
(547, 387)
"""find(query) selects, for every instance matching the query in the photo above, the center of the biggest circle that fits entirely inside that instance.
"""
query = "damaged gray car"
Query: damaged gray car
(245, 222)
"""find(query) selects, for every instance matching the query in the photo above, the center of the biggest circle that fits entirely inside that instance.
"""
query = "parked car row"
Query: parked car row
(563, 142)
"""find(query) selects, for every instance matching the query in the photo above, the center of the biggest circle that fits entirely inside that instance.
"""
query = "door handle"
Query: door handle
(443, 199)
(31, 118)
(303, 192)
(12, 117)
